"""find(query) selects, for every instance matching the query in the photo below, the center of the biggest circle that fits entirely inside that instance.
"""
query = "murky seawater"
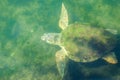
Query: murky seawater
(23, 56)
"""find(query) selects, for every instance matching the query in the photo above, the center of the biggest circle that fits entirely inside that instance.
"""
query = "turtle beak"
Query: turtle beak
(43, 37)
(47, 37)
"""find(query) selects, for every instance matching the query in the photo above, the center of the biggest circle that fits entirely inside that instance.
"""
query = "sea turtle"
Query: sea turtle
(81, 42)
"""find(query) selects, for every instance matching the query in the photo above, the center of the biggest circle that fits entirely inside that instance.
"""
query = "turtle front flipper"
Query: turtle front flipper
(63, 22)
(61, 61)
(111, 58)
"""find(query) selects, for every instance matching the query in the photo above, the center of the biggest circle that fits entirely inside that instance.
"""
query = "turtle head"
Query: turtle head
(51, 38)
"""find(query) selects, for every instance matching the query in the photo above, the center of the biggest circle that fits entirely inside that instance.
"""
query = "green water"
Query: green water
(23, 56)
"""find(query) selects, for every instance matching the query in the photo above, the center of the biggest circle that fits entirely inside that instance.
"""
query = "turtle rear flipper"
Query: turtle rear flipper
(61, 61)
(111, 58)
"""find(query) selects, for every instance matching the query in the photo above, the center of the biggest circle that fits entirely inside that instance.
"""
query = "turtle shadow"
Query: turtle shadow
(97, 70)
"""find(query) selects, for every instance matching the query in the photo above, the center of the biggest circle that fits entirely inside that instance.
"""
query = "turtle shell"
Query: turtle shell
(85, 43)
